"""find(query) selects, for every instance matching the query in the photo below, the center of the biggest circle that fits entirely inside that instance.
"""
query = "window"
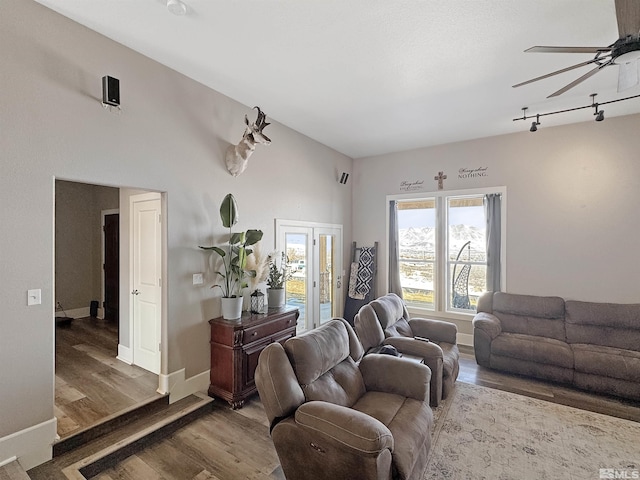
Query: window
(442, 250)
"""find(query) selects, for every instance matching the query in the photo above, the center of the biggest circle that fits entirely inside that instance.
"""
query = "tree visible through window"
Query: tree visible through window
(442, 249)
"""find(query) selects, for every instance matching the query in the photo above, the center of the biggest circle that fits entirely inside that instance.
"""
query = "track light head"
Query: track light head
(534, 125)
(600, 116)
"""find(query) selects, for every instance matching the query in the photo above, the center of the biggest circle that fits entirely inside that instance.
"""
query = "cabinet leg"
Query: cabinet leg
(237, 404)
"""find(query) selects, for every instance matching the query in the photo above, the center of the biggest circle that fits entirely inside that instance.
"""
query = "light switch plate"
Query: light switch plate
(34, 297)
(198, 279)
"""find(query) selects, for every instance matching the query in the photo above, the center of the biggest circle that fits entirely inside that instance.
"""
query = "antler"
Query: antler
(260, 121)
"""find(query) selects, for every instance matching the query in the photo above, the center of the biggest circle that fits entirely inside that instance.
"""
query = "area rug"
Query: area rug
(483, 433)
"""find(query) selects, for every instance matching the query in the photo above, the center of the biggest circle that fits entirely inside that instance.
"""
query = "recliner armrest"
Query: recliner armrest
(386, 373)
(435, 330)
(412, 346)
(488, 323)
(353, 429)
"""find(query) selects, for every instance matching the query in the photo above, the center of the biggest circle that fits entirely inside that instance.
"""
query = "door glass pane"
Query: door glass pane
(296, 288)
(466, 252)
(327, 284)
(417, 249)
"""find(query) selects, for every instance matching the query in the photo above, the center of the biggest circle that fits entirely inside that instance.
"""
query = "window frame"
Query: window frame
(441, 274)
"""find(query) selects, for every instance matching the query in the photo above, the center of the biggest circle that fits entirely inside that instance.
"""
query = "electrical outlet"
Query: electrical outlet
(198, 279)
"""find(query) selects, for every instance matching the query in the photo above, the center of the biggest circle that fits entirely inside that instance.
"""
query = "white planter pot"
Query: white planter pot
(231, 308)
(275, 297)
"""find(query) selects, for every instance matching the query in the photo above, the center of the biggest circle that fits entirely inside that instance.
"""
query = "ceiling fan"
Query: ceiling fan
(625, 52)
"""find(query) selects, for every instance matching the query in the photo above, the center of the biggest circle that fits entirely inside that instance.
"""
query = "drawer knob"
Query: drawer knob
(254, 334)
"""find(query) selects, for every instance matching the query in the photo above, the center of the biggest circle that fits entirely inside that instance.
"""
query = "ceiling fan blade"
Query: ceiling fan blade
(627, 75)
(543, 49)
(590, 73)
(542, 77)
(628, 15)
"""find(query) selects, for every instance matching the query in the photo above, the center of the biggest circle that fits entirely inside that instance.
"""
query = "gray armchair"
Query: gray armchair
(386, 321)
(332, 417)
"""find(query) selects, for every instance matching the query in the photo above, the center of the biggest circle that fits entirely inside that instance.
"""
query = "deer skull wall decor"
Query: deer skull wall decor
(237, 156)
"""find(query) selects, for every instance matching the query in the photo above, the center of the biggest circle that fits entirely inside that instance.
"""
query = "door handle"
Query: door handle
(135, 292)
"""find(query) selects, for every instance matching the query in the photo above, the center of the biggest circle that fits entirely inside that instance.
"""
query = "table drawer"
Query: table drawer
(261, 331)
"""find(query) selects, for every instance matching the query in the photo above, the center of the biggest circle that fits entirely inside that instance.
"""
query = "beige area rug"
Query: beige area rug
(482, 433)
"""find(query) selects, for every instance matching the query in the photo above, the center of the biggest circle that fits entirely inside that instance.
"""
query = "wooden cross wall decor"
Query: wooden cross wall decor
(440, 177)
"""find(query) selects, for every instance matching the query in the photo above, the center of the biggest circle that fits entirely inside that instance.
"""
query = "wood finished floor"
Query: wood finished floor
(91, 384)
(228, 445)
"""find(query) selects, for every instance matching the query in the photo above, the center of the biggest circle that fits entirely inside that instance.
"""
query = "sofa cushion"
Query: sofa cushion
(530, 315)
(323, 366)
(606, 324)
(314, 354)
(389, 309)
(399, 329)
(407, 419)
(533, 349)
(607, 361)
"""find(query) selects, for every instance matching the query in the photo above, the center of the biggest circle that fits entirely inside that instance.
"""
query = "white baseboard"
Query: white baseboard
(124, 354)
(465, 339)
(31, 446)
(79, 313)
(74, 313)
(178, 387)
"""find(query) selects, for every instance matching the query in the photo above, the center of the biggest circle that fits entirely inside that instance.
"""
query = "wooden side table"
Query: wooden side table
(236, 346)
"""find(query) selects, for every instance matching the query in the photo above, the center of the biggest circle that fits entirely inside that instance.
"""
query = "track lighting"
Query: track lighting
(599, 114)
(534, 125)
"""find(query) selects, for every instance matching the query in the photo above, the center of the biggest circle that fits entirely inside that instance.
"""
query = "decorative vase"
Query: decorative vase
(231, 308)
(275, 297)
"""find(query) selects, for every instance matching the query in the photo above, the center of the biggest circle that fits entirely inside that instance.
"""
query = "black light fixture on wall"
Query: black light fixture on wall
(598, 113)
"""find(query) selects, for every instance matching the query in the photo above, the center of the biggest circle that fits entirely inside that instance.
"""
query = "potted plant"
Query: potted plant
(234, 260)
(276, 280)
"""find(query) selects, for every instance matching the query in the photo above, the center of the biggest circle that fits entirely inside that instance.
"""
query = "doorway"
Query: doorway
(111, 265)
(93, 379)
(314, 254)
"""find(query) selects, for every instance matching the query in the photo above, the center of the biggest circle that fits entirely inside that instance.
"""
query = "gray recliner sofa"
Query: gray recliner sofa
(593, 346)
(334, 414)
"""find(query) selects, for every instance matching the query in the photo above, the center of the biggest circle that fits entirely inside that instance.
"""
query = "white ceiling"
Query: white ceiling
(368, 77)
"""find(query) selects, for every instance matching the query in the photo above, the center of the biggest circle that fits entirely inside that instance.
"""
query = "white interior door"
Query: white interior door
(146, 258)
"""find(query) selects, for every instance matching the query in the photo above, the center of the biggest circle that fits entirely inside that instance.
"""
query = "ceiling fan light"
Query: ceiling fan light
(176, 7)
(628, 57)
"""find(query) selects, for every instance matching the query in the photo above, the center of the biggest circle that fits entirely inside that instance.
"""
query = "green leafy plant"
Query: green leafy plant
(278, 276)
(234, 255)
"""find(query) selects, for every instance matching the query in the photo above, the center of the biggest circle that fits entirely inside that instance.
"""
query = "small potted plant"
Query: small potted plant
(278, 276)
(234, 260)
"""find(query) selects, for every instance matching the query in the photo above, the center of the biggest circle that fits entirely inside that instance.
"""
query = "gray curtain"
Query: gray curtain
(394, 251)
(493, 210)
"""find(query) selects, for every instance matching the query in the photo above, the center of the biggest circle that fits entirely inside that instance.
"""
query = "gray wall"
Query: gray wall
(170, 137)
(572, 203)
(78, 241)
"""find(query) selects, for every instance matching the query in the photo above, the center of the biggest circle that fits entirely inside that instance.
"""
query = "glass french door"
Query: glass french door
(314, 255)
